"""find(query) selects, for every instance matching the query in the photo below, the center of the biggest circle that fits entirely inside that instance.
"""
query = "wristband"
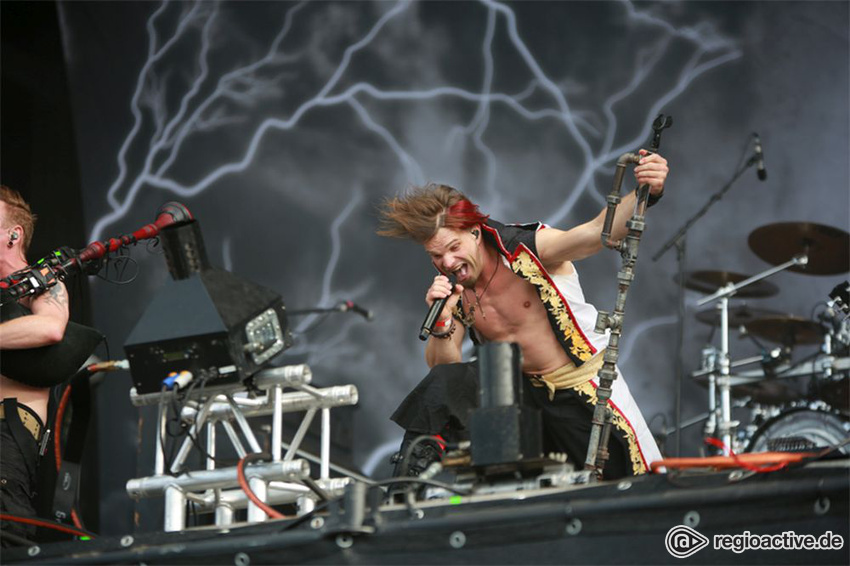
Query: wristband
(446, 334)
(652, 199)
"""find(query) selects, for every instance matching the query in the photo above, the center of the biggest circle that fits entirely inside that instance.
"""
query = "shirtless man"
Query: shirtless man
(517, 283)
(23, 403)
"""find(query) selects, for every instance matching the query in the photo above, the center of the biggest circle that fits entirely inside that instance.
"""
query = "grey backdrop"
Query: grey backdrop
(282, 125)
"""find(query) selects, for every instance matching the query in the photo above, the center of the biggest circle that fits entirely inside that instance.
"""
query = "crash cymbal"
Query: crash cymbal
(708, 281)
(740, 315)
(787, 330)
(827, 248)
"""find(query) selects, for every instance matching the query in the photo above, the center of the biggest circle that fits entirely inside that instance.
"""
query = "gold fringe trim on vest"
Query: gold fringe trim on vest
(524, 266)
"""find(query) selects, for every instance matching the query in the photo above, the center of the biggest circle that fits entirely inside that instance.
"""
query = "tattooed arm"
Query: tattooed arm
(45, 326)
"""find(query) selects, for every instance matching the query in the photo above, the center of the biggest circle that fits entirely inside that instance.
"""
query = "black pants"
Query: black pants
(443, 401)
(18, 465)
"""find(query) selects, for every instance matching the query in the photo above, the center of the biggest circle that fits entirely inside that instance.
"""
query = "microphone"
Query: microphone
(759, 158)
(351, 306)
(59, 265)
(169, 214)
(434, 312)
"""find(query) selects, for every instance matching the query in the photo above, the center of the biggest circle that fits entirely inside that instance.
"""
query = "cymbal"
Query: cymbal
(740, 315)
(827, 248)
(787, 330)
(708, 281)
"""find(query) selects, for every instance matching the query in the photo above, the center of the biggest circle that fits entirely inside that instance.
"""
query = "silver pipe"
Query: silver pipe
(305, 505)
(726, 424)
(161, 423)
(193, 432)
(735, 364)
(175, 509)
(338, 469)
(234, 438)
(278, 493)
(145, 399)
(244, 426)
(289, 376)
(224, 514)
(292, 402)
(210, 456)
(315, 392)
(730, 289)
(220, 478)
(326, 445)
(255, 514)
(299, 434)
(277, 423)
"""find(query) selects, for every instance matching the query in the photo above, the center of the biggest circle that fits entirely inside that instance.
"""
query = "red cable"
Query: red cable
(46, 524)
(57, 443)
(719, 444)
(57, 426)
(243, 483)
(441, 441)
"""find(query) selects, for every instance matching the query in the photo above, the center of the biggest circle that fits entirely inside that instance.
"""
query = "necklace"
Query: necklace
(469, 319)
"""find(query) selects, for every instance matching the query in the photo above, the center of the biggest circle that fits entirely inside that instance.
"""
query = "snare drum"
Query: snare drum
(801, 429)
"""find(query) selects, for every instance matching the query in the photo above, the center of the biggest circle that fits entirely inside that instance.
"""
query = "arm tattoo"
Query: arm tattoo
(57, 296)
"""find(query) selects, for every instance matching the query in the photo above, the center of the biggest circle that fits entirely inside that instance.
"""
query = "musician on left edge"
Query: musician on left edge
(23, 411)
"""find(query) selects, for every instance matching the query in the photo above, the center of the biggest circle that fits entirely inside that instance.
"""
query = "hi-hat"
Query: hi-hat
(708, 281)
(741, 315)
(787, 330)
(827, 248)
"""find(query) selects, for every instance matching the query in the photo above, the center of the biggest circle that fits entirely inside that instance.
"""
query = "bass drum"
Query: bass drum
(801, 429)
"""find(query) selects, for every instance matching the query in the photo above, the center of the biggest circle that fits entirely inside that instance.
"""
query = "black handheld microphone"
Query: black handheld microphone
(759, 158)
(434, 312)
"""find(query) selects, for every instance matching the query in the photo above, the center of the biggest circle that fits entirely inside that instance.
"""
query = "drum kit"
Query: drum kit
(793, 405)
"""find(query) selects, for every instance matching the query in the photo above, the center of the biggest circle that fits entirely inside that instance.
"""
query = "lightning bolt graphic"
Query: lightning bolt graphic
(225, 99)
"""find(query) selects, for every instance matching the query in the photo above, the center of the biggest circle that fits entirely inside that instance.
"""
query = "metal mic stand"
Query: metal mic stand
(679, 240)
(597, 448)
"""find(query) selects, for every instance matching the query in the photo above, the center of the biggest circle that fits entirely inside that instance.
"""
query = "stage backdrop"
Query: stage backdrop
(283, 125)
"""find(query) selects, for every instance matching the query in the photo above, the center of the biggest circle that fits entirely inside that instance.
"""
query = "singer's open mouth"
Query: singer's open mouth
(462, 272)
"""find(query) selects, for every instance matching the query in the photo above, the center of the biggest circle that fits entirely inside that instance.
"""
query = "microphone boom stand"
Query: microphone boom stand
(679, 241)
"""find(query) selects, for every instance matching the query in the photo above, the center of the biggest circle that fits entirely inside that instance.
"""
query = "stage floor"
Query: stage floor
(606, 523)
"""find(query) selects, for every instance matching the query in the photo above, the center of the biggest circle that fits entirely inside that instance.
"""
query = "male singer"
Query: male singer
(516, 283)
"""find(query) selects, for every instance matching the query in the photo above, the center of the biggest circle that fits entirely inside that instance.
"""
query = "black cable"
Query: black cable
(15, 539)
(321, 493)
(433, 483)
(307, 516)
(320, 320)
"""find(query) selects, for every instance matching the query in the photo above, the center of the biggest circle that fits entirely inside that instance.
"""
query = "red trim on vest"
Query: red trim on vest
(512, 257)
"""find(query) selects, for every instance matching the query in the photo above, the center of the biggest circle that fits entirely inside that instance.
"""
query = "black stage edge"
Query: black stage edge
(610, 523)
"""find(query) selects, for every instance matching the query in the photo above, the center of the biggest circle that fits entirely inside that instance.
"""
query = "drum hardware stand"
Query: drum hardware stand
(679, 240)
(597, 449)
(725, 425)
(217, 489)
